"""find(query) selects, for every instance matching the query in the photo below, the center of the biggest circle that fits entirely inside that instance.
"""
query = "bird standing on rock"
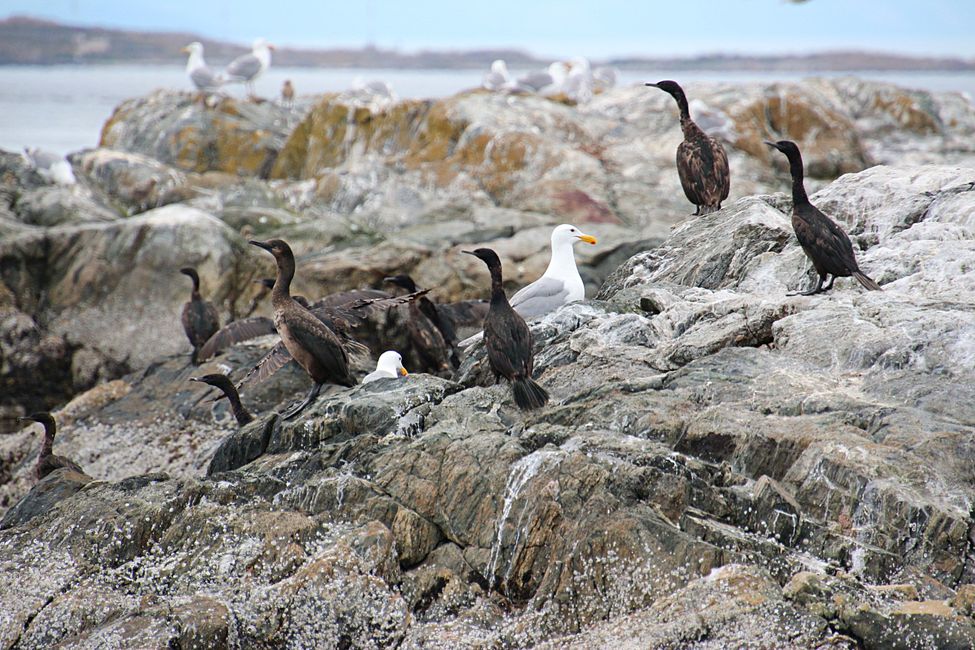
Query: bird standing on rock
(199, 72)
(702, 163)
(316, 348)
(229, 391)
(246, 68)
(561, 282)
(508, 340)
(824, 242)
(47, 460)
(288, 93)
(200, 318)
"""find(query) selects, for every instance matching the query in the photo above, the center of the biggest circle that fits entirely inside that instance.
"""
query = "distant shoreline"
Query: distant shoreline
(30, 41)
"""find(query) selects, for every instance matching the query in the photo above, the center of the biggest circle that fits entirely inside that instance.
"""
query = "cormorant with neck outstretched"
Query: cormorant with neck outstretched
(47, 460)
(508, 340)
(229, 391)
(702, 163)
(824, 242)
(200, 318)
(308, 340)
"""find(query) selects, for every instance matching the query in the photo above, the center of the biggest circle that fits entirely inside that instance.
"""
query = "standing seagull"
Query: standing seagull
(508, 340)
(702, 163)
(47, 461)
(561, 282)
(310, 342)
(229, 391)
(821, 239)
(200, 319)
(248, 67)
(199, 72)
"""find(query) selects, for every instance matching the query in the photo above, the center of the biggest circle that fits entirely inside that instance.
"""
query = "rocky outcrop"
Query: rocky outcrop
(720, 465)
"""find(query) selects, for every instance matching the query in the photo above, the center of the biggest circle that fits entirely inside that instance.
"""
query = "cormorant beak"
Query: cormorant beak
(771, 144)
(589, 239)
(260, 244)
(402, 371)
(195, 379)
(651, 85)
(469, 253)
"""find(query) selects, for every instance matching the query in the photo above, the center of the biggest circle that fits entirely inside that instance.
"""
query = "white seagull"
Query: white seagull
(52, 167)
(389, 366)
(248, 67)
(199, 72)
(498, 78)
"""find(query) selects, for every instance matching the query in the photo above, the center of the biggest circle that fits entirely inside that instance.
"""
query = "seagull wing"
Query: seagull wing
(540, 297)
(243, 68)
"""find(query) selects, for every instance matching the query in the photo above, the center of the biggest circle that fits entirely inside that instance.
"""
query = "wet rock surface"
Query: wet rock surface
(721, 465)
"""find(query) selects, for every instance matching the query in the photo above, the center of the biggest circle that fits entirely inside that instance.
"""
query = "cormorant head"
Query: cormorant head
(391, 361)
(217, 380)
(190, 271)
(569, 234)
(43, 417)
(276, 247)
(670, 87)
(787, 147)
(487, 256)
(403, 281)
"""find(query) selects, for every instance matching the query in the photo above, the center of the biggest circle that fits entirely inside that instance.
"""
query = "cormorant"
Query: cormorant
(702, 163)
(47, 461)
(821, 239)
(223, 382)
(433, 338)
(200, 319)
(508, 340)
(307, 339)
(389, 366)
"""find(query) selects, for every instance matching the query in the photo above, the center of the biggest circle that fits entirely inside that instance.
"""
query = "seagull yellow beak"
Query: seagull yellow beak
(589, 239)
(402, 372)
(185, 50)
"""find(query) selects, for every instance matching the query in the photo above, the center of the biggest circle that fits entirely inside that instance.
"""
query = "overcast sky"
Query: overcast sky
(593, 28)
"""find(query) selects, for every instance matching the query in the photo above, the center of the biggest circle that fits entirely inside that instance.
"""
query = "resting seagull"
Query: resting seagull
(498, 77)
(389, 366)
(52, 167)
(559, 285)
(199, 72)
(248, 67)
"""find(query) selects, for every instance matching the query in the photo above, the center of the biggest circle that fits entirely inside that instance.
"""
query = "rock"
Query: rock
(136, 181)
(51, 490)
(238, 137)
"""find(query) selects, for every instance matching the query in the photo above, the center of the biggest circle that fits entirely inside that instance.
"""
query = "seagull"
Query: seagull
(544, 82)
(559, 285)
(604, 78)
(561, 282)
(579, 82)
(498, 78)
(52, 167)
(199, 72)
(248, 67)
(390, 366)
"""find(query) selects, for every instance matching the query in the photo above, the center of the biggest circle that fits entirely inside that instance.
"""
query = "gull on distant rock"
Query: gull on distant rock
(604, 78)
(205, 80)
(52, 167)
(579, 82)
(497, 78)
(247, 68)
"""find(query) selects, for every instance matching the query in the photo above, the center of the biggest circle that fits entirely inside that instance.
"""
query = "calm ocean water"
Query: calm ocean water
(62, 108)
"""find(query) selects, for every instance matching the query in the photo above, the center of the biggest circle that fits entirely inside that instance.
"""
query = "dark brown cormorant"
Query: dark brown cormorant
(200, 319)
(223, 382)
(47, 461)
(821, 239)
(508, 340)
(307, 339)
(702, 163)
(433, 338)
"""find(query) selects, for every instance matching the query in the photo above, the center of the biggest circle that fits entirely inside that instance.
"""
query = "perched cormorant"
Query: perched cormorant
(307, 339)
(702, 163)
(433, 338)
(200, 319)
(47, 461)
(508, 340)
(821, 239)
(389, 366)
(223, 382)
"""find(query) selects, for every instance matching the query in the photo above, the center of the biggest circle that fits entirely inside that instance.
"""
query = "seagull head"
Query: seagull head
(391, 361)
(261, 44)
(568, 235)
(196, 47)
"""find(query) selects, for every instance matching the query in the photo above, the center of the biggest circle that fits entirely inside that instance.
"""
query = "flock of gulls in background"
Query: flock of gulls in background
(320, 336)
